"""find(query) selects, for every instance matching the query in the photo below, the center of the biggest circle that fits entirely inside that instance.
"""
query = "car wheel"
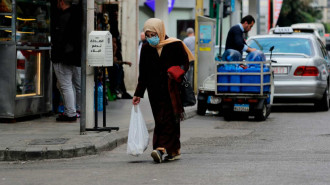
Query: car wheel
(261, 115)
(323, 104)
(201, 107)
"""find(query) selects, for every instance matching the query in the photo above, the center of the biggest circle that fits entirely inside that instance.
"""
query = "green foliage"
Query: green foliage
(327, 27)
(298, 11)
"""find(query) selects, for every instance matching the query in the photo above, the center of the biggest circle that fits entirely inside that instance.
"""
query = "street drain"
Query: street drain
(51, 141)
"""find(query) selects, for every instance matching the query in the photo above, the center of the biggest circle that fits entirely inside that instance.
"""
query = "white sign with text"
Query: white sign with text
(100, 49)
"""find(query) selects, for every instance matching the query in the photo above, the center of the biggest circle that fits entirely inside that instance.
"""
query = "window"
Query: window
(5, 20)
(33, 23)
(28, 73)
(282, 45)
(6, 6)
(322, 48)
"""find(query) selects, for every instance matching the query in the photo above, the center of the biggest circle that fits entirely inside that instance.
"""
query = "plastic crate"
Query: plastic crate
(254, 79)
(228, 78)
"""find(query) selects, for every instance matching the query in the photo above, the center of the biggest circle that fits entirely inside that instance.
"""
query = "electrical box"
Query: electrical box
(206, 45)
(99, 52)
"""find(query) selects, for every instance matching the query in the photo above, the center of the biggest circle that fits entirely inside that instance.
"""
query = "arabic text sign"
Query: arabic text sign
(100, 49)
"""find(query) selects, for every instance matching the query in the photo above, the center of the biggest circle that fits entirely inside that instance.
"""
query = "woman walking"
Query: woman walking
(163, 62)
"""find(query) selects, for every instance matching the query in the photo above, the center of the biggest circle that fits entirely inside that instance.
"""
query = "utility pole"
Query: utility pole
(87, 73)
(83, 69)
(220, 30)
(198, 12)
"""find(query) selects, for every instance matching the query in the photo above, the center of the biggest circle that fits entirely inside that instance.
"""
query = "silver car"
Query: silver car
(301, 74)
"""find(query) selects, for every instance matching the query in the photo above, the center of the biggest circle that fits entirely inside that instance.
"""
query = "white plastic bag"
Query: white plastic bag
(138, 136)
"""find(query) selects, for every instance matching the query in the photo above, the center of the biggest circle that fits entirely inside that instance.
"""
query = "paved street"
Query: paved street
(291, 147)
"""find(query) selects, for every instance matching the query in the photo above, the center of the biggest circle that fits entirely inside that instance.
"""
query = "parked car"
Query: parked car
(301, 74)
(315, 28)
(327, 41)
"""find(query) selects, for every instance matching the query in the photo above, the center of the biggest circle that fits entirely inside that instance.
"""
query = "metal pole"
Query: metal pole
(104, 103)
(95, 96)
(83, 69)
(220, 30)
(198, 12)
(258, 17)
(217, 30)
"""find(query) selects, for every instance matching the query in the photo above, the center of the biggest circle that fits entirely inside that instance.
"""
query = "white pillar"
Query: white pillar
(130, 41)
(236, 15)
(253, 12)
(89, 71)
(161, 11)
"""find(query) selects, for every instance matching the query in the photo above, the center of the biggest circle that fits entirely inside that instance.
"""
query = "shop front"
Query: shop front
(25, 68)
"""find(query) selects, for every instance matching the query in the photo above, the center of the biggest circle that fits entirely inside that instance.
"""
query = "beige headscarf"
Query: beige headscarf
(157, 25)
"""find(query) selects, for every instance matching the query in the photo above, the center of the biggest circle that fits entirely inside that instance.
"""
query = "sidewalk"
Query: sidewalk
(44, 138)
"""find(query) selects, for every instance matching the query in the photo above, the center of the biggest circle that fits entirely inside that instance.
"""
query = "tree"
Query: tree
(298, 11)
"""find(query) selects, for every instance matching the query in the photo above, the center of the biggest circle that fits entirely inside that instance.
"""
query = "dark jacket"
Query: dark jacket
(235, 39)
(66, 37)
(153, 69)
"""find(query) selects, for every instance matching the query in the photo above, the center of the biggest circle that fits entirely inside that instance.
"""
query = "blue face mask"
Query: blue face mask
(153, 40)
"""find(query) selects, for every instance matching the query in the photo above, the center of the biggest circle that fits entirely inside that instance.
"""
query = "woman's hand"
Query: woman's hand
(136, 100)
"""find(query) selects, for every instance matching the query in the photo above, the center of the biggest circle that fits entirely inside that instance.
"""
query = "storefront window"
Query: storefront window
(28, 73)
(5, 20)
(6, 6)
(33, 23)
(5, 35)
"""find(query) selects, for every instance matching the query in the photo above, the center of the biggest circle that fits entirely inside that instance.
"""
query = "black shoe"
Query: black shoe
(78, 113)
(157, 156)
(126, 96)
(66, 118)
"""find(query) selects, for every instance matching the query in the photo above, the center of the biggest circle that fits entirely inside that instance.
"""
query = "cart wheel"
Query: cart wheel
(201, 107)
(261, 115)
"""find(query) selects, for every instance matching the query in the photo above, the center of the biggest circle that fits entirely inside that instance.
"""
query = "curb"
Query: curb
(106, 143)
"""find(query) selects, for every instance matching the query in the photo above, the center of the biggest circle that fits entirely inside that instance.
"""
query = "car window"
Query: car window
(282, 45)
(323, 49)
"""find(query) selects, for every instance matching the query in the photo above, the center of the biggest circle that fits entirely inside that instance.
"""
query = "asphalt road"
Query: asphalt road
(291, 148)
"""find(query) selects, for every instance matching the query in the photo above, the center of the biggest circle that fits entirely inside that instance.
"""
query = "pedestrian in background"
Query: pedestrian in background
(118, 71)
(66, 57)
(190, 42)
(163, 62)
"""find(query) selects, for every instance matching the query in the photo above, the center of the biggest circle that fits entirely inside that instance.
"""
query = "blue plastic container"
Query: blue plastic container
(231, 55)
(224, 78)
(99, 97)
(228, 78)
(235, 79)
(255, 56)
(254, 79)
